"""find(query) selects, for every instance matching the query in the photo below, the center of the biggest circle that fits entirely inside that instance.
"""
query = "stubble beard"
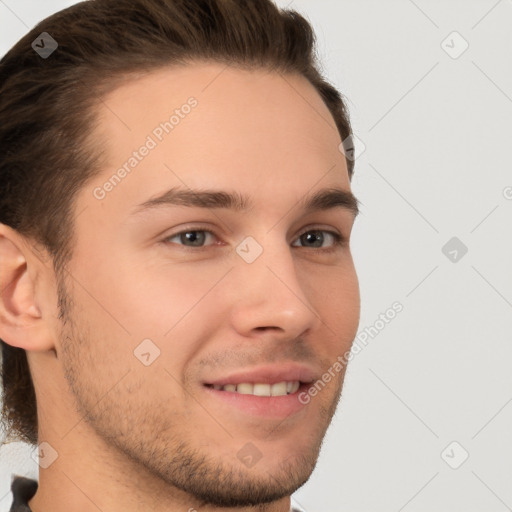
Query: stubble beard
(173, 459)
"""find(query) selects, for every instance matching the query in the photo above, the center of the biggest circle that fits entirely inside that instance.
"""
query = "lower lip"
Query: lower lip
(270, 406)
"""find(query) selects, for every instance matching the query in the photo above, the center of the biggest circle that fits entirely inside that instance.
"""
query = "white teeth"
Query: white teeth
(278, 389)
(261, 389)
(245, 388)
(295, 386)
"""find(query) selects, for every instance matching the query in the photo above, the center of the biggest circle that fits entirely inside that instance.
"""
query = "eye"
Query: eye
(193, 236)
(315, 239)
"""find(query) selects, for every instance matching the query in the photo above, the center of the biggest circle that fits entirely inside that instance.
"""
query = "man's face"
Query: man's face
(162, 309)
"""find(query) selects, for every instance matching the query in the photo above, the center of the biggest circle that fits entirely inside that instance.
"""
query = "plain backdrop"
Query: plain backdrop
(425, 417)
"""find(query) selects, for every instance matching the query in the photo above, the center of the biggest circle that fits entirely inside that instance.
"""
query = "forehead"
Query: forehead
(211, 125)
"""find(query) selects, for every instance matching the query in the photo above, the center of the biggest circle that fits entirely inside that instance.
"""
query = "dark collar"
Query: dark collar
(23, 489)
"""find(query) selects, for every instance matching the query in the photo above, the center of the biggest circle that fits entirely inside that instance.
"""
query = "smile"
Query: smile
(260, 389)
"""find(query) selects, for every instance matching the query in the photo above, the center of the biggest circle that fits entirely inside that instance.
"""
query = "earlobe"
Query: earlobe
(21, 320)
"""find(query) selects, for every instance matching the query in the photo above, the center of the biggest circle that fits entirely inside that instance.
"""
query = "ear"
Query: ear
(22, 323)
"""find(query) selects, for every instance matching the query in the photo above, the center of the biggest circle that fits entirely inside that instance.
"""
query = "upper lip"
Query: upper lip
(268, 375)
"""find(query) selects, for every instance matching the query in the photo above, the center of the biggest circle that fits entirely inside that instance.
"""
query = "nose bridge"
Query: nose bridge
(270, 290)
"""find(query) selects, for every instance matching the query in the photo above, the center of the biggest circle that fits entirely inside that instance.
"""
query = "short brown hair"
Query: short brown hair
(48, 107)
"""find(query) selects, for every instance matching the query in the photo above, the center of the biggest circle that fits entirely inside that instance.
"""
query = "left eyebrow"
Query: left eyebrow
(324, 199)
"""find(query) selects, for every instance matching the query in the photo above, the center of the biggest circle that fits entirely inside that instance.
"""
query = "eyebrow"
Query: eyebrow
(324, 199)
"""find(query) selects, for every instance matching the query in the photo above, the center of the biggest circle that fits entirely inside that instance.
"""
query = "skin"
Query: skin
(149, 438)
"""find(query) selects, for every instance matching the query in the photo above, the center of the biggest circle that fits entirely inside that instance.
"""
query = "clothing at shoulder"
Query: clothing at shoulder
(23, 489)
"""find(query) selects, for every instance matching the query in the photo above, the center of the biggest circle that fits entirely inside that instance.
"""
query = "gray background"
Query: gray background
(432, 386)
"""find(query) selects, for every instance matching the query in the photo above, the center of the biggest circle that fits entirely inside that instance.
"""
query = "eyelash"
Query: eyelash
(339, 240)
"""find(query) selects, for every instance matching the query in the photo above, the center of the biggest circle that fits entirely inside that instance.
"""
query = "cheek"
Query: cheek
(173, 306)
(336, 297)
(150, 297)
(166, 298)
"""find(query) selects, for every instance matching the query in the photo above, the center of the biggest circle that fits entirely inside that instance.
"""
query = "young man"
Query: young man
(176, 277)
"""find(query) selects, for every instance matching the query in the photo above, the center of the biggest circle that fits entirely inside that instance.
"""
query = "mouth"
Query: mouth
(256, 399)
(282, 388)
(271, 391)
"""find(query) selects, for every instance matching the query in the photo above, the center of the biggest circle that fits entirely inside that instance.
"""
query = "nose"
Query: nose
(270, 296)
